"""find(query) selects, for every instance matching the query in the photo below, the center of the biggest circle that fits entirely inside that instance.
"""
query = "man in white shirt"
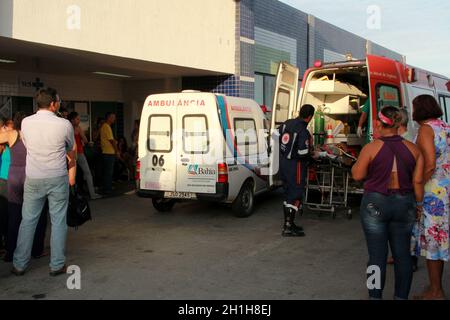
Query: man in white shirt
(49, 141)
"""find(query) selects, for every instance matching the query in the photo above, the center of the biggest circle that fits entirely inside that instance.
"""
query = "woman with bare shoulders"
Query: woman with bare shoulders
(16, 180)
(5, 125)
(393, 193)
(433, 240)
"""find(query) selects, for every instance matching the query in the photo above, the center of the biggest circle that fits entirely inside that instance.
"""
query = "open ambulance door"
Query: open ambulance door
(385, 78)
(284, 103)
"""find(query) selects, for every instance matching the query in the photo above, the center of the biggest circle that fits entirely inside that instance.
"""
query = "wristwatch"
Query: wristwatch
(419, 203)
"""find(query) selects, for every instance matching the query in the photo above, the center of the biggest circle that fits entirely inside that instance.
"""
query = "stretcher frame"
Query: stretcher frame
(332, 181)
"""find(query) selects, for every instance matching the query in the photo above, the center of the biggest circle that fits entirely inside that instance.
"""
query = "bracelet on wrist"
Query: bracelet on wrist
(419, 203)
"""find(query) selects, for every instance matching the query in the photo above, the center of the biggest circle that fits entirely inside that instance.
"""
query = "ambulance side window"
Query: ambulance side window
(160, 133)
(246, 136)
(447, 109)
(387, 95)
(444, 101)
(195, 134)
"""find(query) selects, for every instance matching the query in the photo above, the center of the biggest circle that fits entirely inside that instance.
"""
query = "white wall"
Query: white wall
(193, 33)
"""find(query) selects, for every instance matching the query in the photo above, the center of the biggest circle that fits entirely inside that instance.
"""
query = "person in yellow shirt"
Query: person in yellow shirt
(110, 152)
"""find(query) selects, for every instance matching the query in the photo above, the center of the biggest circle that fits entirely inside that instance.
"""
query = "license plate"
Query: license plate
(179, 195)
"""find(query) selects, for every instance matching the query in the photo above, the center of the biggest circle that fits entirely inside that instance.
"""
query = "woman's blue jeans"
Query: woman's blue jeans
(389, 220)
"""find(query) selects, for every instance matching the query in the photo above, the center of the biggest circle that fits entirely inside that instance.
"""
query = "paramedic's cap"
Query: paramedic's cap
(307, 111)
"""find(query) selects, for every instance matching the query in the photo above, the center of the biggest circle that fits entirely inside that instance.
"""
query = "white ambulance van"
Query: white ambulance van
(202, 146)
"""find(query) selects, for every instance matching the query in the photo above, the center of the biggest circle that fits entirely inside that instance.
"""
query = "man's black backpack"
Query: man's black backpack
(79, 211)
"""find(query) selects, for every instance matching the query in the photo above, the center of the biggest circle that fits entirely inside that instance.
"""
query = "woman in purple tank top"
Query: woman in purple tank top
(392, 170)
(16, 180)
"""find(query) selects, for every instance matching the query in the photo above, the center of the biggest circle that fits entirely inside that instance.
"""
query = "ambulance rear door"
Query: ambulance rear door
(284, 103)
(198, 143)
(157, 148)
(385, 78)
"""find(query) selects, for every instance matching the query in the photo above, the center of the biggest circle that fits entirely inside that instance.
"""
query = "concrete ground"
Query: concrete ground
(200, 251)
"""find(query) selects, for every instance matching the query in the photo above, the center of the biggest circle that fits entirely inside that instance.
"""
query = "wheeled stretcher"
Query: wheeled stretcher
(330, 177)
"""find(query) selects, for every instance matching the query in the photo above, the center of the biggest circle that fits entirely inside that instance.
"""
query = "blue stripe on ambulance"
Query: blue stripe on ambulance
(224, 120)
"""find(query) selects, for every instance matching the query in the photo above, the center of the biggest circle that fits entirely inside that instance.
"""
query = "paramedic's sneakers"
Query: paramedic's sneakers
(291, 231)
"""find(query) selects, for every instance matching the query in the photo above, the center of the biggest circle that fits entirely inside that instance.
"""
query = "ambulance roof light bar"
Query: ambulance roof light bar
(355, 63)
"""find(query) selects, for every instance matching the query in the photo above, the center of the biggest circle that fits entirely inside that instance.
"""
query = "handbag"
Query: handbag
(79, 211)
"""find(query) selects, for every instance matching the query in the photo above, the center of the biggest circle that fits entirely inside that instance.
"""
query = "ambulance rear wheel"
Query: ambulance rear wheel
(163, 205)
(244, 203)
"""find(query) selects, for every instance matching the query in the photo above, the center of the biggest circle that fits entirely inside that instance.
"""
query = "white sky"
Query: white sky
(418, 29)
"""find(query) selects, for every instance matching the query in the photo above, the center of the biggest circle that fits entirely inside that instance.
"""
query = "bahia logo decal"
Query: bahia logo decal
(193, 169)
(196, 170)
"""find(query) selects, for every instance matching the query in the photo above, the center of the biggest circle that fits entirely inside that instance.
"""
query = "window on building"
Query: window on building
(195, 134)
(265, 88)
(259, 89)
(160, 133)
(269, 89)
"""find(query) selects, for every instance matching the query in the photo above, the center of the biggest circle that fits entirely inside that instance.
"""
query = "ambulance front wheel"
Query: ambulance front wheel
(163, 205)
(244, 203)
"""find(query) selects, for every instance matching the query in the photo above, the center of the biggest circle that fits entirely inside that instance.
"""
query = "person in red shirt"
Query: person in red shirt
(81, 140)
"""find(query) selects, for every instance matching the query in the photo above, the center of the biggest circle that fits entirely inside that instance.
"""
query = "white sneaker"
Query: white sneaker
(96, 196)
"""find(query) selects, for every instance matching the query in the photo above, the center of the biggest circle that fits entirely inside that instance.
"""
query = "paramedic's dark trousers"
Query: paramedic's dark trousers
(293, 173)
(108, 171)
(389, 219)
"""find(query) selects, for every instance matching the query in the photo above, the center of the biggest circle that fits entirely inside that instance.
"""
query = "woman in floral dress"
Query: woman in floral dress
(433, 242)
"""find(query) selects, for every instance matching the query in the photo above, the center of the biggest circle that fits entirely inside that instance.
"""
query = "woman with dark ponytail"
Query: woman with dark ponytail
(393, 191)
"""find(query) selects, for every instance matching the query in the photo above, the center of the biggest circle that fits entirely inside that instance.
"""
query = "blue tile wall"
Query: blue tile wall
(229, 85)
(247, 63)
(378, 50)
(283, 19)
(247, 19)
(328, 36)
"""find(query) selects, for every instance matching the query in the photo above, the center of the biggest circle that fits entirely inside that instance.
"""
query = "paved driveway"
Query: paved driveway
(200, 251)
